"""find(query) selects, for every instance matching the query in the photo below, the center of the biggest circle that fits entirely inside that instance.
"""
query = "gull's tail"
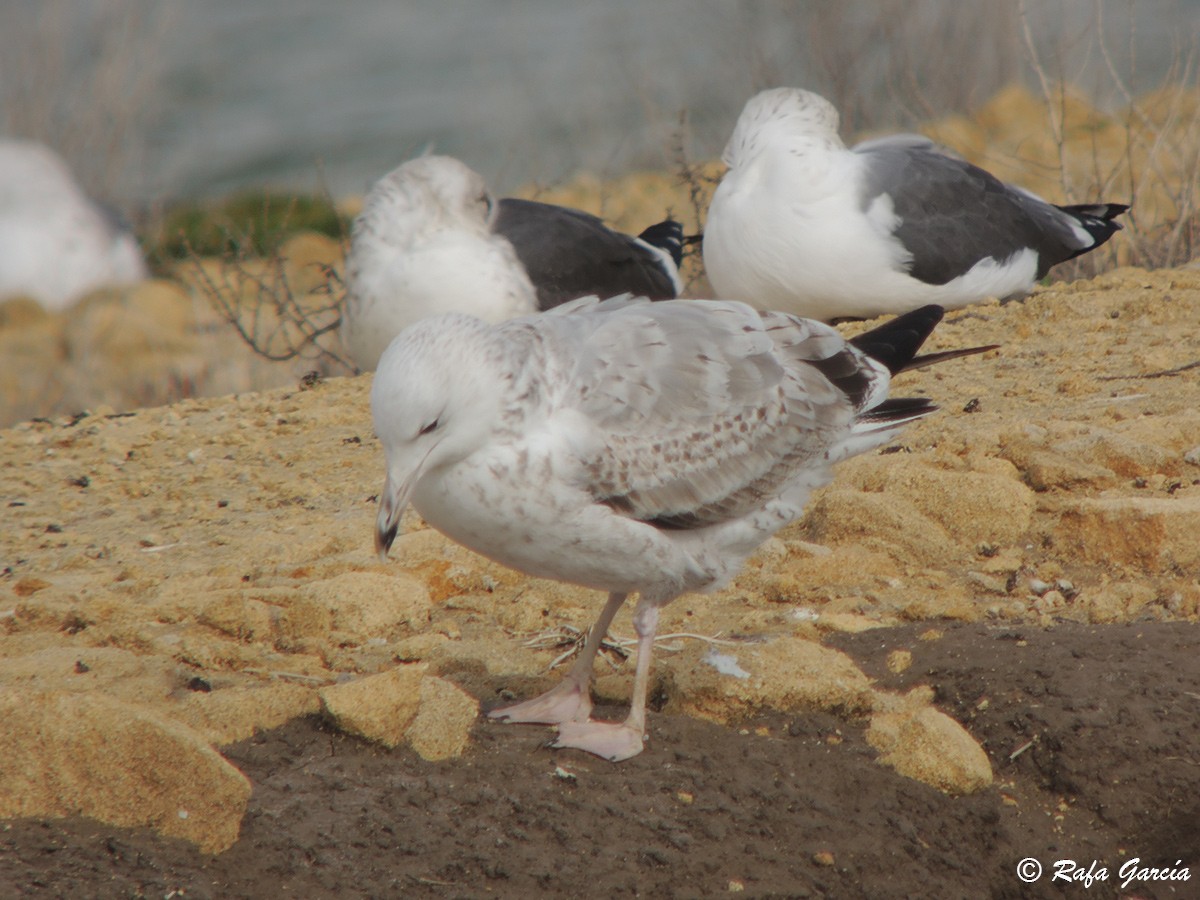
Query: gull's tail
(668, 237)
(895, 343)
(1097, 220)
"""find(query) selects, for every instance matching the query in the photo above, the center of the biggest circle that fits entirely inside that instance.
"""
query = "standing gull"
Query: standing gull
(628, 446)
(431, 240)
(801, 223)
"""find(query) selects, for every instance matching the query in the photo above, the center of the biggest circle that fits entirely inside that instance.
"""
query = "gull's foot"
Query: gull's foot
(613, 741)
(566, 702)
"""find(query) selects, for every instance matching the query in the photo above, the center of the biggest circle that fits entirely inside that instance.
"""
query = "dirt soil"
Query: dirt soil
(1091, 730)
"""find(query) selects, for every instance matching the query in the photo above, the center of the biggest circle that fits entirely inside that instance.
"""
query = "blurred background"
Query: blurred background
(152, 101)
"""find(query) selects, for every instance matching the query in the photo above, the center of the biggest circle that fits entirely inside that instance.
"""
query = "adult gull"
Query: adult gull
(628, 446)
(801, 223)
(431, 240)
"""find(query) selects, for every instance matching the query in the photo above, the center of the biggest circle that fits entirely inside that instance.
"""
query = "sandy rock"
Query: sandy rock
(1117, 602)
(306, 256)
(873, 522)
(442, 727)
(228, 714)
(84, 754)
(1044, 468)
(974, 506)
(238, 616)
(372, 604)
(1148, 532)
(143, 327)
(1119, 454)
(925, 744)
(786, 673)
(378, 707)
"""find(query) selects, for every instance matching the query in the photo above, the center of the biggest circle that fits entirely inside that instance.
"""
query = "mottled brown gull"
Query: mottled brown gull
(627, 446)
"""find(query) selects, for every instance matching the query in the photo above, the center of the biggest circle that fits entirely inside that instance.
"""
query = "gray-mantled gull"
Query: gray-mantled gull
(431, 240)
(801, 223)
(628, 446)
(56, 243)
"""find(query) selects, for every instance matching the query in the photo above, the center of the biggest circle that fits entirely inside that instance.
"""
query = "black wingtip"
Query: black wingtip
(895, 343)
(1098, 219)
(1104, 211)
(666, 235)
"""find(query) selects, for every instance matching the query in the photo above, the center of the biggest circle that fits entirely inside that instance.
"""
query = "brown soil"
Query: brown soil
(788, 806)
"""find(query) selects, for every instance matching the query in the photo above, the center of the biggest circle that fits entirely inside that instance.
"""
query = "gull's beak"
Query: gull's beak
(393, 500)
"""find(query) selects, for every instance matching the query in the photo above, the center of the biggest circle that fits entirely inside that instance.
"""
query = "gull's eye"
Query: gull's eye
(425, 429)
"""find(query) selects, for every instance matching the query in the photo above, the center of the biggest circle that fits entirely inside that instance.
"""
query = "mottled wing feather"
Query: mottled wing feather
(698, 412)
(568, 253)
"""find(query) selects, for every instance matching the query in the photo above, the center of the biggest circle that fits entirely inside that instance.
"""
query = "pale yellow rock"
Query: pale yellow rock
(1152, 533)
(229, 714)
(973, 506)
(237, 616)
(925, 744)
(1044, 468)
(372, 604)
(785, 673)
(84, 754)
(144, 323)
(1119, 602)
(301, 617)
(899, 661)
(874, 522)
(442, 728)
(1121, 455)
(378, 707)
(305, 256)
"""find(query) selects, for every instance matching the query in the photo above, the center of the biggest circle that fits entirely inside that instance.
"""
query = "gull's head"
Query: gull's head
(781, 117)
(422, 196)
(435, 400)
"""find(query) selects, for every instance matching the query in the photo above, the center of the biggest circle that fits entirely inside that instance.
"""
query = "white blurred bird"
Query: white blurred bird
(56, 244)
(801, 223)
(431, 240)
(628, 446)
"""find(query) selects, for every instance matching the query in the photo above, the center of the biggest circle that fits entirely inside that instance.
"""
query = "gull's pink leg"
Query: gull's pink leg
(611, 740)
(570, 700)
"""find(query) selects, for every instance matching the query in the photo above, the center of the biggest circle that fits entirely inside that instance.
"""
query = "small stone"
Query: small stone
(899, 661)
(927, 745)
(441, 729)
(378, 707)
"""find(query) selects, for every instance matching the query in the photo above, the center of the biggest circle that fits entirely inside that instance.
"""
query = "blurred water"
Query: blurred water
(308, 93)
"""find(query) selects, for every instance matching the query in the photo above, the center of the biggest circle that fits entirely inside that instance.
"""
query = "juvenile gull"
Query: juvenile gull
(628, 446)
(432, 240)
(801, 223)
